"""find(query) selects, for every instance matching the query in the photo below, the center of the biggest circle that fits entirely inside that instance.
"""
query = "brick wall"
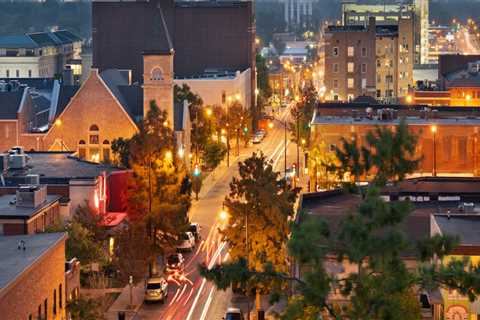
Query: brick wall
(92, 105)
(34, 286)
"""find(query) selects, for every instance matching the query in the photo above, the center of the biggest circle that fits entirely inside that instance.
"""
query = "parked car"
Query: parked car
(233, 314)
(175, 263)
(156, 290)
(195, 230)
(187, 242)
(256, 139)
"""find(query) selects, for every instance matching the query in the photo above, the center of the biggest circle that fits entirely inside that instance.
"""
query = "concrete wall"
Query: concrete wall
(28, 293)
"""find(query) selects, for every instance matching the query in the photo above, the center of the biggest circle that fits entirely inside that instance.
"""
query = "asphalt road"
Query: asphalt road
(193, 298)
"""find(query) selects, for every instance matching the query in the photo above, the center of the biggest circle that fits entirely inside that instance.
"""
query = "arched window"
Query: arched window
(157, 74)
(81, 142)
(94, 127)
(106, 142)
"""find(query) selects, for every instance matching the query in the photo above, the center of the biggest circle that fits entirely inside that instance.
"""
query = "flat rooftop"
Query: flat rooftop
(61, 165)
(467, 227)
(14, 262)
(9, 210)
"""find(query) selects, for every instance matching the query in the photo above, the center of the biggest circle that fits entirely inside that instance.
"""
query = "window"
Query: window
(29, 73)
(350, 97)
(39, 314)
(95, 154)
(81, 142)
(379, 93)
(17, 73)
(350, 83)
(54, 301)
(364, 52)
(335, 51)
(378, 63)
(364, 83)
(335, 68)
(45, 307)
(82, 153)
(94, 127)
(350, 67)
(157, 74)
(30, 317)
(364, 68)
(351, 51)
(106, 154)
(94, 139)
(335, 83)
(8, 73)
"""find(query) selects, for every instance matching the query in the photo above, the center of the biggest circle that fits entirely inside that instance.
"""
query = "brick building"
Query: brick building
(349, 61)
(32, 277)
(30, 211)
(454, 137)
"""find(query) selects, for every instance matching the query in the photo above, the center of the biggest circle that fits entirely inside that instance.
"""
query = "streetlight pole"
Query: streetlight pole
(285, 148)
(434, 131)
(298, 144)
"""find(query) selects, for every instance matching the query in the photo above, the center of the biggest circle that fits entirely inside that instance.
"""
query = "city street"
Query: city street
(194, 298)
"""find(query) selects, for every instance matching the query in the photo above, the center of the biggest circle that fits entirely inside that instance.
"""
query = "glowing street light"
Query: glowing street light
(181, 152)
(169, 155)
(409, 99)
(270, 125)
(165, 123)
(208, 112)
(223, 215)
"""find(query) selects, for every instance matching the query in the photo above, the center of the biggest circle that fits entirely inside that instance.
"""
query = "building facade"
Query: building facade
(32, 285)
(350, 58)
(448, 141)
(38, 55)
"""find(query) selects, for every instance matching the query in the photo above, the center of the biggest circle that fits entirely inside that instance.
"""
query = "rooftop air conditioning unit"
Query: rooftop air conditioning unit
(32, 179)
(31, 196)
(17, 161)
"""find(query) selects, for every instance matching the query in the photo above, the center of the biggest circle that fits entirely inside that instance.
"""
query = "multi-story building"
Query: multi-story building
(394, 65)
(38, 55)
(387, 77)
(32, 281)
(390, 14)
(350, 58)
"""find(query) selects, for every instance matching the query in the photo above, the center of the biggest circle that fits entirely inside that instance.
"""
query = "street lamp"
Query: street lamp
(58, 123)
(433, 128)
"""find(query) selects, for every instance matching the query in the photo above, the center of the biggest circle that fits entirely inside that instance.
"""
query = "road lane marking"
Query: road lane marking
(189, 296)
(174, 297)
(192, 308)
(207, 304)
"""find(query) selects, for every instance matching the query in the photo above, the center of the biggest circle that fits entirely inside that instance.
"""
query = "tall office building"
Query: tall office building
(421, 13)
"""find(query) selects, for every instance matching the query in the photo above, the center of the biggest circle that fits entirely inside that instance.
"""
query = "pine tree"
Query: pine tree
(259, 205)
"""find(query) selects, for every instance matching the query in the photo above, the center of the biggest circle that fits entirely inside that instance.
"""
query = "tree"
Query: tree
(302, 114)
(321, 161)
(214, 154)
(259, 206)
(158, 201)
(262, 77)
(240, 118)
(121, 150)
(371, 238)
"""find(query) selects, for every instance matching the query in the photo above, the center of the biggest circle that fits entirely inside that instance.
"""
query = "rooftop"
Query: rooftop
(38, 39)
(10, 102)
(15, 262)
(61, 165)
(8, 209)
(467, 227)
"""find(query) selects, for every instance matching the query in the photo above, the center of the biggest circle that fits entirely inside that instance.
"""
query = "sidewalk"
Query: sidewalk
(123, 302)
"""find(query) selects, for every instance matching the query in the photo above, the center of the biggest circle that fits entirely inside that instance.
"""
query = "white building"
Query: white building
(38, 55)
(218, 88)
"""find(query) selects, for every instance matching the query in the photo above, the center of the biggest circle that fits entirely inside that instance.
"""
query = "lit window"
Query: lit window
(351, 51)
(350, 83)
(350, 67)
(364, 83)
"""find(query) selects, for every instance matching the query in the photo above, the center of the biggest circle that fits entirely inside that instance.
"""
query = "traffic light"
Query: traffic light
(196, 171)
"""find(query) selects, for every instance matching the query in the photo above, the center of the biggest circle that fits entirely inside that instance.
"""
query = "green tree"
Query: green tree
(214, 154)
(262, 77)
(302, 115)
(121, 150)
(371, 238)
(259, 205)
(321, 161)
